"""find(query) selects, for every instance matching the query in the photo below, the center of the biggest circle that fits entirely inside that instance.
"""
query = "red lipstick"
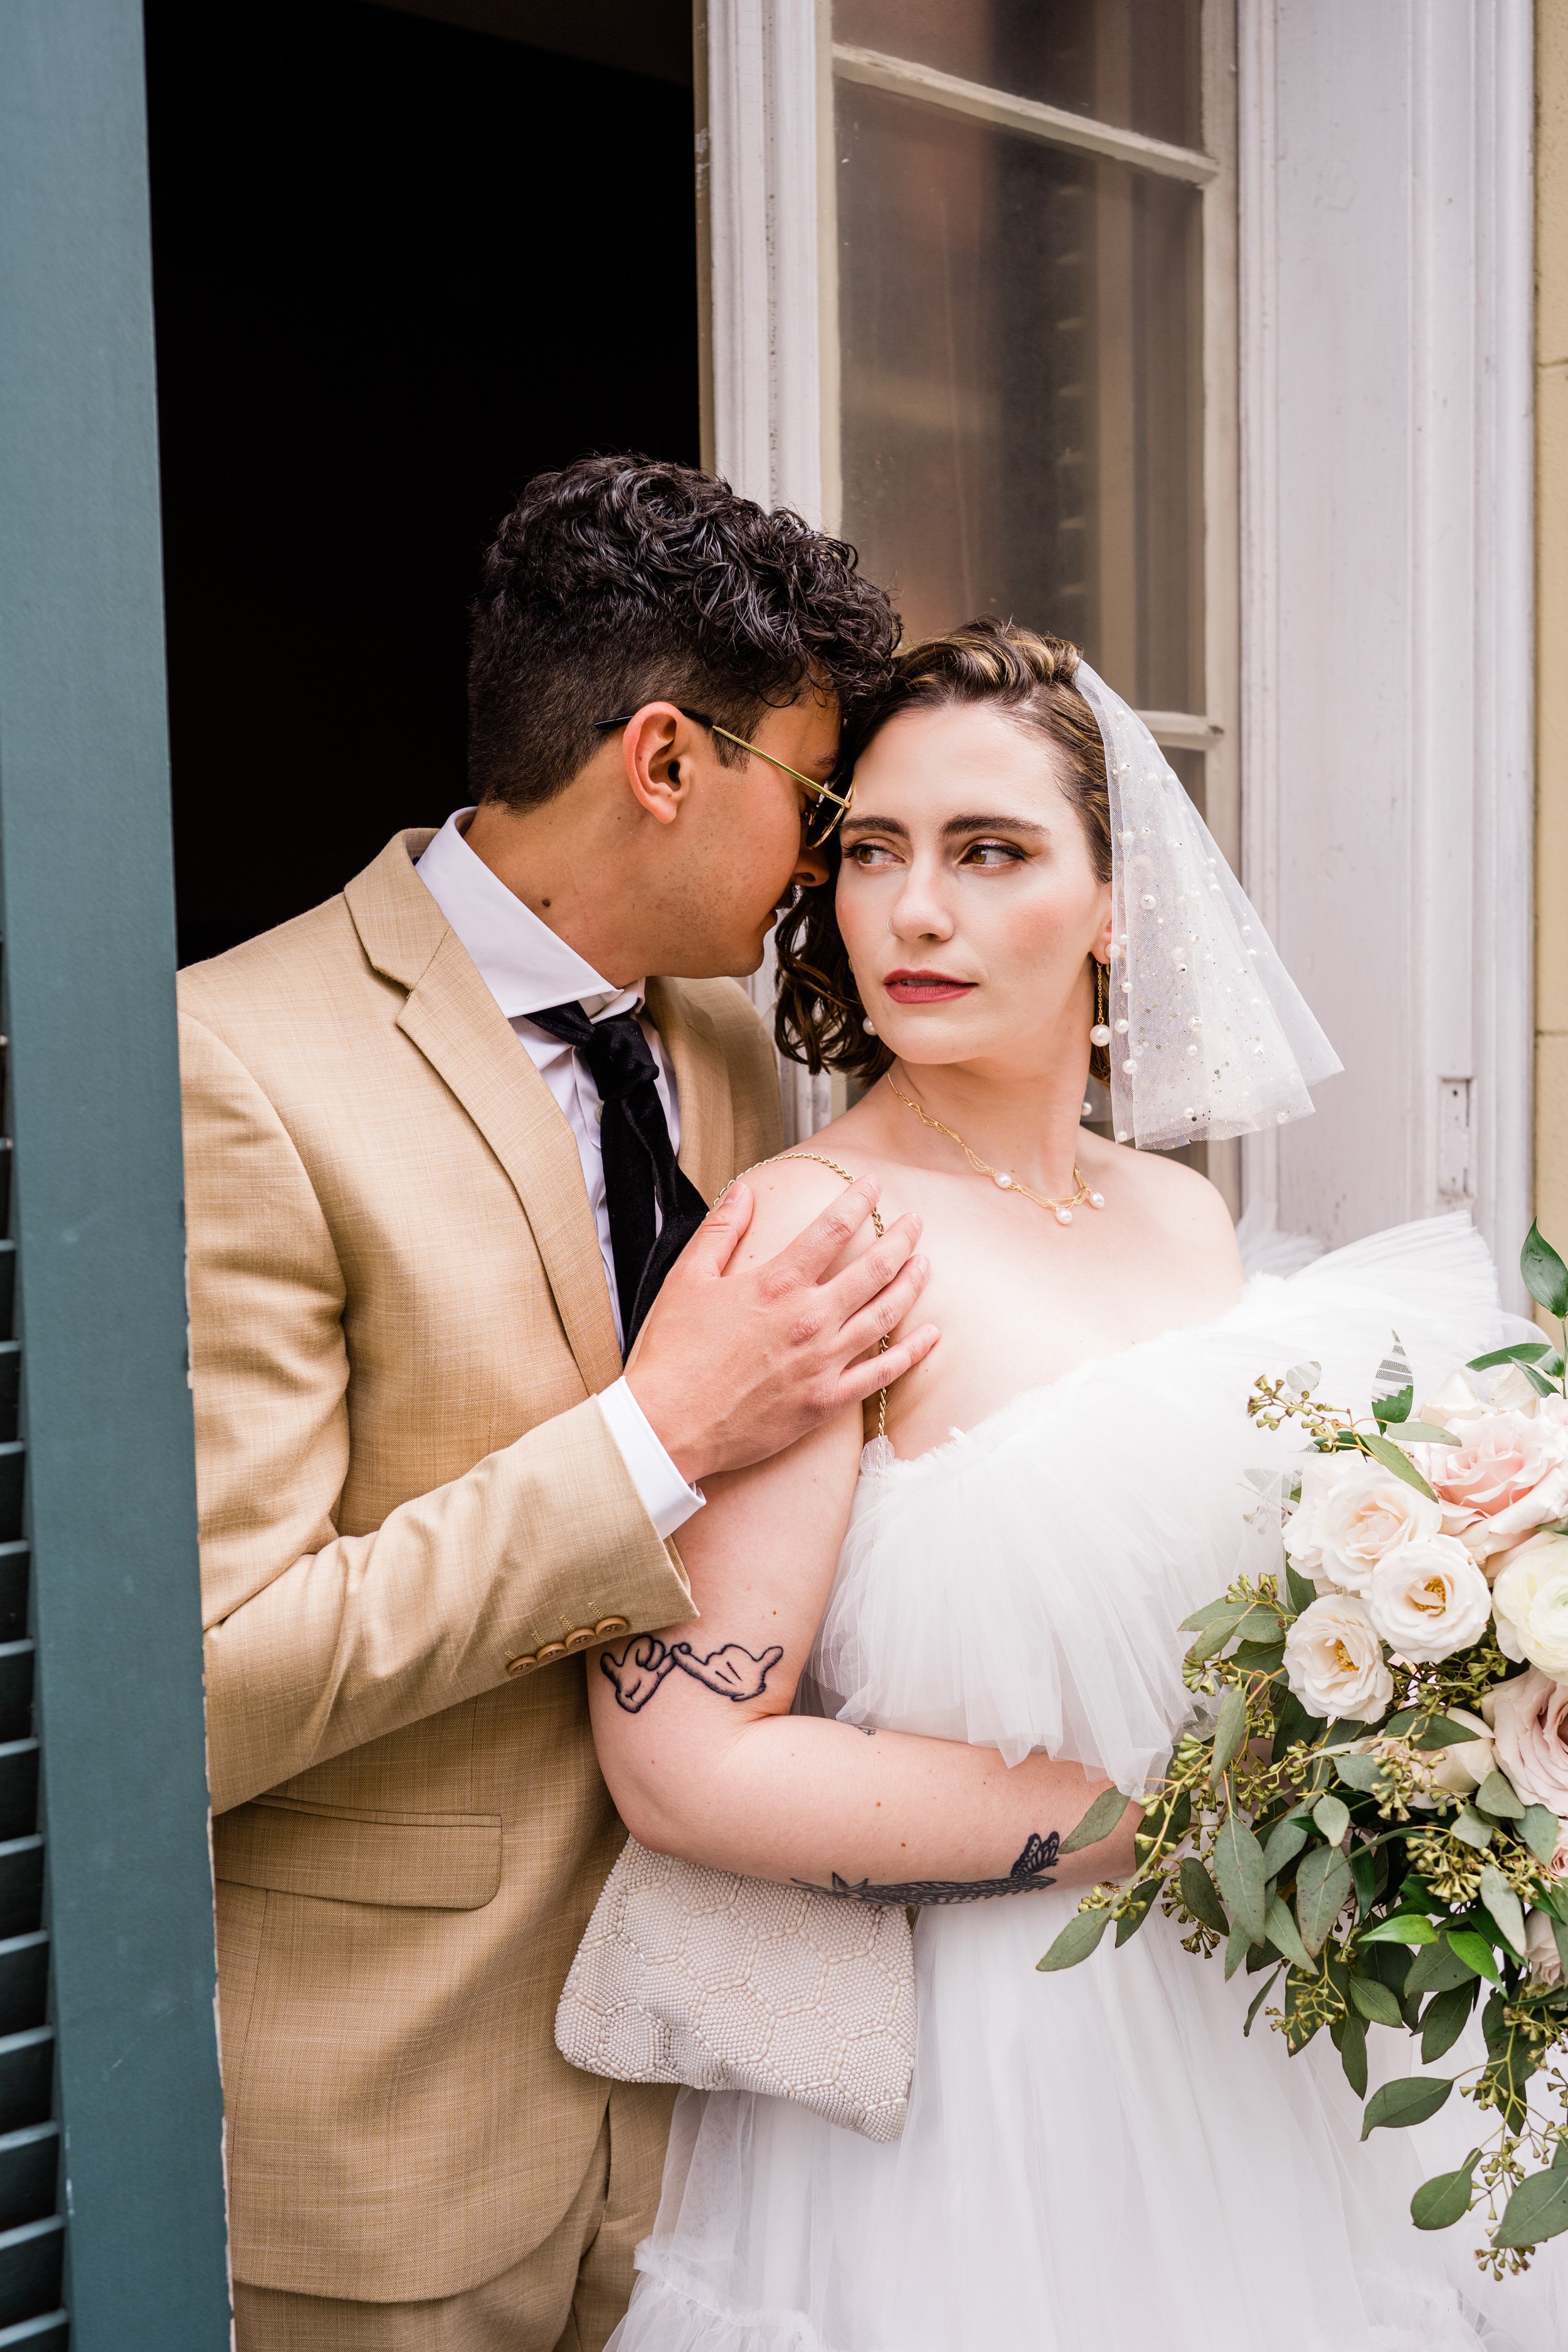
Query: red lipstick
(925, 987)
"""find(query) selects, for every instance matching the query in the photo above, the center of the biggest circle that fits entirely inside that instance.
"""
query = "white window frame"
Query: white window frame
(1385, 175)
(766, 72)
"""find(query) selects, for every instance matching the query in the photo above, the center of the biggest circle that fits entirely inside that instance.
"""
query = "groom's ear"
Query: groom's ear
(659, 746)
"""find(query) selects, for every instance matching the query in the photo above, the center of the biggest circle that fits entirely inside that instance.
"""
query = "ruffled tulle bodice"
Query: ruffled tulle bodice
(1094, 2161)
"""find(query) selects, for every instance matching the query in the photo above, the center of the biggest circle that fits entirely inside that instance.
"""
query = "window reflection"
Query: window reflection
(1020, 353)
(1135, 63)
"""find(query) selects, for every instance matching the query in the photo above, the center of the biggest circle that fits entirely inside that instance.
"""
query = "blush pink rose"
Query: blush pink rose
(1528, 1717)
(1509, 1475)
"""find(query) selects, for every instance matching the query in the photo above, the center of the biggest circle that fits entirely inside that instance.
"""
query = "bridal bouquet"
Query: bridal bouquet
(1372, 1811)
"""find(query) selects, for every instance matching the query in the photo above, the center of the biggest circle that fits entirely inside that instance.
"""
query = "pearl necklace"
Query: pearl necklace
(1003, 1181)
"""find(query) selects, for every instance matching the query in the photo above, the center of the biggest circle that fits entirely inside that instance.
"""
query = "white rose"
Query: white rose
(1334, 1660)
(1428, 1599)
(1351, 1513)
(1529, 1601)
(1469, 1396)
(1542, 1959)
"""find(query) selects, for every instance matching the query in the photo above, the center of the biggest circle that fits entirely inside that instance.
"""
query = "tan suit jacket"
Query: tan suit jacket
(399, 1315)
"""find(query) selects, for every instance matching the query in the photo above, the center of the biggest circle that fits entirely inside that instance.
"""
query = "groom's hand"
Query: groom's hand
(730, 1368)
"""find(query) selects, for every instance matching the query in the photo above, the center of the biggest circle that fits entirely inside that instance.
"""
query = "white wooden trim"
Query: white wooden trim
(765, 88)
(905, 78)
(1183, 731)
(1386, 307)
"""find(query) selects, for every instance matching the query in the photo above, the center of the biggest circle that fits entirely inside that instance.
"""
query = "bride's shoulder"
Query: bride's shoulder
(790, 1191)
(1175, 1200)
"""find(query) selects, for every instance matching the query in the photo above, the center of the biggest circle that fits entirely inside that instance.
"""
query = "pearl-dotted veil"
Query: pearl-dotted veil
(1209, 1034)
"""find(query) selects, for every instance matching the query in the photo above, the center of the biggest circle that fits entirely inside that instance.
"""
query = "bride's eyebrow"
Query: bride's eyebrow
(956, 824)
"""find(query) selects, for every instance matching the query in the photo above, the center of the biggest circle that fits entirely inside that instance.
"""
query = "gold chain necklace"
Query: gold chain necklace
(1005, 1183)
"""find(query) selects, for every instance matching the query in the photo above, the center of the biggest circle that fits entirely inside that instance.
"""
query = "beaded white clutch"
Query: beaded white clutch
(697, 1976)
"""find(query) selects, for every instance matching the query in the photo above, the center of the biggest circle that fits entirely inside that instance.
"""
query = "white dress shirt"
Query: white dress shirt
(527, 969)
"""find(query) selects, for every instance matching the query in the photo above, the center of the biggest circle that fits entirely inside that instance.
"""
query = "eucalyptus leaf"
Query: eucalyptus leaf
(1383, 1450)
(1538, 2209)
(1475, 1951)
(1397, 1724)
(1442, 1731)
(1077, 1940)
(1445, 2019)
(1395, 1408)
(1127, 1926)
(1504, 1906)
(1447, 2198)
(1404, 1927)
(1211, 1641)
(1353, 2051)
(1260, 1657)
(1230, 1730)
(1215, 1612)
(1322, 1889)
(1363, 1871)
(1545, 1275)
(1408, 2099)
(1201, 1895)
(1495, 1796)
(1538, 1380)
(1098, 1823)
(1260, 1997)
(1470, 1830)
(1238, 1866)
(1303, 1378)
(1236, 1950)
(1438, 1970)
(1283, 1844)
(1541, 1830)
(1285, 1936)
(1361, 1772)
(1426, 1433)
(1332, 1817)
(1375, 2002)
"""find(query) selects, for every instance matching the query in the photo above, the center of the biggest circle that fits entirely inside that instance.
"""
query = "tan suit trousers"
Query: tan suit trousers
(565, 2296)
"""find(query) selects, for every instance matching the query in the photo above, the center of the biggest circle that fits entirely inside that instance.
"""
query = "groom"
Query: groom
(443, 1138)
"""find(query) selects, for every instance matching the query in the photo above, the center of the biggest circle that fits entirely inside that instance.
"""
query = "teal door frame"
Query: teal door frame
(87, 907)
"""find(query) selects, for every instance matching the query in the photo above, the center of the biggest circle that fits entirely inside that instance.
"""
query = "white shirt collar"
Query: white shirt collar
(520, 959)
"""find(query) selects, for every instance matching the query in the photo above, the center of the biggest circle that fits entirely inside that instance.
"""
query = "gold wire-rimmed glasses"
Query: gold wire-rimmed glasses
(829, 807)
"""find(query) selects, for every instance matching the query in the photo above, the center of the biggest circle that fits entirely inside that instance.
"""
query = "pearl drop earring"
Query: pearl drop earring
(1100, 1034)
(865, 1024)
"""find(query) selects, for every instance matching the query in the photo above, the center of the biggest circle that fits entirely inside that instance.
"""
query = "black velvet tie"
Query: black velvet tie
(640, 1172)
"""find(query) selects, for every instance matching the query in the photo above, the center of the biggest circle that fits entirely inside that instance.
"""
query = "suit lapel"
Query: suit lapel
(456, 1022)
(701, 1085)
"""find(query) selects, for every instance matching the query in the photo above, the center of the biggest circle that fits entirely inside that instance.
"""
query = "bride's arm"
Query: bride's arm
(704, 1760)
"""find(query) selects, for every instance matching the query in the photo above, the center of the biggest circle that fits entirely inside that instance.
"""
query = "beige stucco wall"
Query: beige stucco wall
(1551, 618)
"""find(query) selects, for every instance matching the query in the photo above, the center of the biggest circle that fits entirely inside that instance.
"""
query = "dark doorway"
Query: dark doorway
(400, 264)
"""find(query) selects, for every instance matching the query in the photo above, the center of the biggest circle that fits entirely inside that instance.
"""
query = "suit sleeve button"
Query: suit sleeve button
(523, 1666)
(548, 1652)
(608, 1627)
(582, 1639)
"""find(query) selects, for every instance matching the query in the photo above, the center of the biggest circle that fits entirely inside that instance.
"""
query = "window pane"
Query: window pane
(1020, 344)
(1132, 62)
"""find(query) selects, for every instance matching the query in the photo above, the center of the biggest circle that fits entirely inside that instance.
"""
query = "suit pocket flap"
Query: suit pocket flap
(433, 1862)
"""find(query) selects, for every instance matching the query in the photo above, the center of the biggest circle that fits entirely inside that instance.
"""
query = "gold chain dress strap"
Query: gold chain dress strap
(822, 1160)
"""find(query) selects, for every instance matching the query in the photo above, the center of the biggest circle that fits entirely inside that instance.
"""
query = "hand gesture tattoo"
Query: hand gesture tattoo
(731, 1671)
(638, 1671)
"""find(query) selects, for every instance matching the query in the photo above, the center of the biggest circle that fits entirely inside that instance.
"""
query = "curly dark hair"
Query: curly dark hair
(1028, 679)
(620, 581)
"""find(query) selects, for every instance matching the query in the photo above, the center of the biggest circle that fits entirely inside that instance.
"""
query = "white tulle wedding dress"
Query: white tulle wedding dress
(1095, 2160)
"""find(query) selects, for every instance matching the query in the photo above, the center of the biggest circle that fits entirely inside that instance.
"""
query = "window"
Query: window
(1024, 253)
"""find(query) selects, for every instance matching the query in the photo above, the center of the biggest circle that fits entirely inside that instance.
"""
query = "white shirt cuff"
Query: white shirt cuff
(667, 1498)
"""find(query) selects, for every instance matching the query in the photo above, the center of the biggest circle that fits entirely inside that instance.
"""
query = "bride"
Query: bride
(1092, 2161)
